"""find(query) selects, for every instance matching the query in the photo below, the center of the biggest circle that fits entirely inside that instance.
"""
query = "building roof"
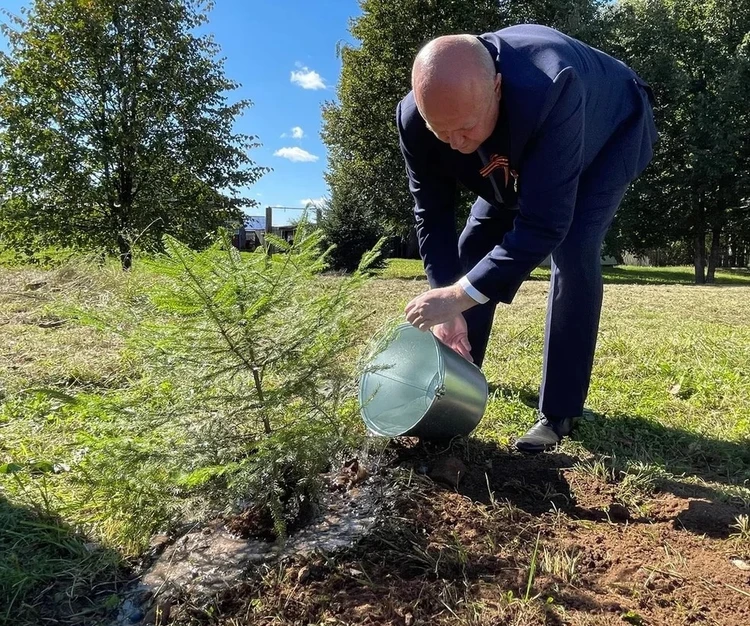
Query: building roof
(258, 222)
(255, 222)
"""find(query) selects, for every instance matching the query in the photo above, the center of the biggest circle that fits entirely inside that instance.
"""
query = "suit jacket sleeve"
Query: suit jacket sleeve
(434, 210)
(550, 170)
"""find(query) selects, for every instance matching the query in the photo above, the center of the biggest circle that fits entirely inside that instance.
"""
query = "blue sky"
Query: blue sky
(284, 55)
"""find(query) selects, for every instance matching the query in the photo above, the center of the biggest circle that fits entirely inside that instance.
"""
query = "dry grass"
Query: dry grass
(670, 397)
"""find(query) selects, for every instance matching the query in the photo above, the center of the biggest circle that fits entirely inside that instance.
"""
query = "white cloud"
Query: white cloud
(307, 79)
(297, 133)
(316, 202)
(298, 155)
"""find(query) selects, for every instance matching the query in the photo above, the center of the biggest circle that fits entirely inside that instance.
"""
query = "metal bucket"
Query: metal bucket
(417, 386)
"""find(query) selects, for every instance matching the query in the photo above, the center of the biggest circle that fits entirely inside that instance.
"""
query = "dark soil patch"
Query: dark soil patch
(462, 555)
(531, 483)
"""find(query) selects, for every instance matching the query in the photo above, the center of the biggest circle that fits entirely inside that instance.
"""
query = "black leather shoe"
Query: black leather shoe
(545, 434)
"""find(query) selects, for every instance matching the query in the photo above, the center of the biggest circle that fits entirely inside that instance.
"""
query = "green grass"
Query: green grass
(42, 554)
(670, 397)
(671, 385)
(412, 269)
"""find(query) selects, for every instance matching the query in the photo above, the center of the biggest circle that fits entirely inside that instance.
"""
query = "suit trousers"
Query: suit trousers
(575, 296)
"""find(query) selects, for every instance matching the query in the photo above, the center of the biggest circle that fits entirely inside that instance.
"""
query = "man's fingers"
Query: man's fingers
(424, 324)
(418, 321)
(465, 349)
(412, 316)
(458, 346)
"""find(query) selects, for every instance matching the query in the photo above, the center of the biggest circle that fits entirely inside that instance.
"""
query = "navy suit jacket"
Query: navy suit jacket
(568, 113)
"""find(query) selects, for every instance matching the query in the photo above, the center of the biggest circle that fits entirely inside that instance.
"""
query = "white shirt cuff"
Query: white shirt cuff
(471, 291)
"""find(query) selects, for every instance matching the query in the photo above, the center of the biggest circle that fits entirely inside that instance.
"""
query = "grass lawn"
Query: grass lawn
(523, 541)
(408, 269)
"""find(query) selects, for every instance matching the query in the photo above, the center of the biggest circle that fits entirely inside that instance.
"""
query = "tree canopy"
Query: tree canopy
(365, 167)
(696, 55)
(116, 126)
(693, 52)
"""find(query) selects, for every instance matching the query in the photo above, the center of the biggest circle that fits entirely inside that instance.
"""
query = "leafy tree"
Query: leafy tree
(366, 173)
(350, 232)
(365, 168)
(115, 126)
(696, 55)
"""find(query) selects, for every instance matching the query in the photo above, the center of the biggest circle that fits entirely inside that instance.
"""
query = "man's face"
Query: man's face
(464, 121)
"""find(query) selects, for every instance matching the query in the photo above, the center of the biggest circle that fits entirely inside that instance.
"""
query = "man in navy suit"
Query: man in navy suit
(549, 133)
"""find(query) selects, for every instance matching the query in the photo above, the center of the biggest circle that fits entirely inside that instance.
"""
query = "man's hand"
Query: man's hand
(455, 335)
(438, 306)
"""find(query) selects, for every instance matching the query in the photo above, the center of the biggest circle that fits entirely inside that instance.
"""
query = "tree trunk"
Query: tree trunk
(699, 257)
(713, 257)
(412, 245)
(126, 254)
(699, 241)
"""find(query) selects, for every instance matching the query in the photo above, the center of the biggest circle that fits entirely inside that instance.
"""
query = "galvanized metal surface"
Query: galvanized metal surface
(451, 404)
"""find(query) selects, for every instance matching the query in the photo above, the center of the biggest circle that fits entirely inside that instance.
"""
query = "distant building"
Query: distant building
(253, 233)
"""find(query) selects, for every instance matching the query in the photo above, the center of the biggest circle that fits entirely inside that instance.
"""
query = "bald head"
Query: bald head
(450, 62)
(455, 86)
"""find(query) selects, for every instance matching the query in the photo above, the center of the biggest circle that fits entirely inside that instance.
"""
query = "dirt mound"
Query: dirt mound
(516, 540)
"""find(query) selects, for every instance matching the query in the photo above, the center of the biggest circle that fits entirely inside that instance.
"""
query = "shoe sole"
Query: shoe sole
(532, 449)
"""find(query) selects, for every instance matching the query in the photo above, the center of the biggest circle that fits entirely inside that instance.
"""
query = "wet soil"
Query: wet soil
(463, 553)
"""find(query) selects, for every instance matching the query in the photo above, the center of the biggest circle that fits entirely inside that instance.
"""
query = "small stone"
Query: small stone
(408, 619)
(158, 540)
(135, 616)
(618, 513)
(741, 564)
(304, 574)
(448, 471)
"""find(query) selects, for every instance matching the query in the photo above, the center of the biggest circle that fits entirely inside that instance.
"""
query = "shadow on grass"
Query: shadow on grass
(670, 276)
(619, 275)
(688, 459)
(524, 394)
(678, 451)
(638, 439)
(51, 574)
(493, 473)
(712, 509)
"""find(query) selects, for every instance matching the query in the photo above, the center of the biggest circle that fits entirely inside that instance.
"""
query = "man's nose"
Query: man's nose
(457, 141)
